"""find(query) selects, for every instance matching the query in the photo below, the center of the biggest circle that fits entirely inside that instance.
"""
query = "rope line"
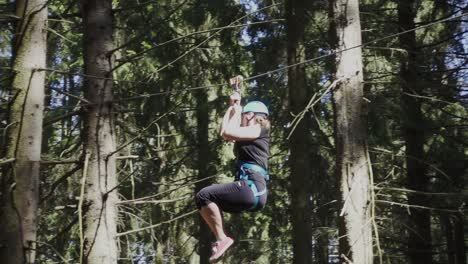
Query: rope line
(261, 74)
(139, 54)
(302, 62)
(204, 41)
(230, 25)
(354, 47)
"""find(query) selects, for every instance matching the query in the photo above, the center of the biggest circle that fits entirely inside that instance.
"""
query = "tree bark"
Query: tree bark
(453, 228)
(20, 179)
(459, 238)
(100, 197)
(448, 231)
(419, 225)
(352, 164)
(323, 239)
(205, 168)
(299, 159)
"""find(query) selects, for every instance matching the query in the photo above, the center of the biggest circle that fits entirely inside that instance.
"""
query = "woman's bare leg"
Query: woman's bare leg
(213, 217)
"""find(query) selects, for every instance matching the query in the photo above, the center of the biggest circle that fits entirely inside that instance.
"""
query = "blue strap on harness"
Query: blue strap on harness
(244, 176)
(257, 168)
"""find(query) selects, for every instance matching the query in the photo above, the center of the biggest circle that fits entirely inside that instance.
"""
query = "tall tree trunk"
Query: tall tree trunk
(100, 220)
(452, 226)
(299, 158)
(20, 179)
(322, 241)
(459, 238)
(448, 231)
(419, 225)
(205, 167)
(352, 163)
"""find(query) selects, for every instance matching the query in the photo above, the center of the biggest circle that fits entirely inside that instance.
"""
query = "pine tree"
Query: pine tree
(99, 182)
(353, 163)
(299, 159)
(419, 223)
(20, 178)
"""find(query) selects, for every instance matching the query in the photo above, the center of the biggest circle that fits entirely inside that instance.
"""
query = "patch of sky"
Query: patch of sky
(140, 255)
(5, 44)
(251, 7)
(59, 84)
(325, 82)
(323, 51)
(253, 84)
(454, 61)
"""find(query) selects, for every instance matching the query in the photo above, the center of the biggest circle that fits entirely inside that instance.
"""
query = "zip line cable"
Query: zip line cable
(354, 47)
(302, 62)
(139, 54)
(230, 25)
(261, 74)
(154, 73)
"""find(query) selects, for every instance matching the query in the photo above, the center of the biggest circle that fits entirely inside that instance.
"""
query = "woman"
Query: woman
(249, 128)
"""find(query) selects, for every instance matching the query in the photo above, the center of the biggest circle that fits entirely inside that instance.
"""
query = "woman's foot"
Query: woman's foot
(219, 247)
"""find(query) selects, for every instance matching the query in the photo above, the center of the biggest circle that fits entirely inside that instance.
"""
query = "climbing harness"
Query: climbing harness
(243, 175)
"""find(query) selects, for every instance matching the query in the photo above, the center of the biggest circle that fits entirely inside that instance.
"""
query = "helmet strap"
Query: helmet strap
(249, 119)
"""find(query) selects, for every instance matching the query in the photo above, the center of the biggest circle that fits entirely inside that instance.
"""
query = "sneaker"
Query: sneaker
(219, 247)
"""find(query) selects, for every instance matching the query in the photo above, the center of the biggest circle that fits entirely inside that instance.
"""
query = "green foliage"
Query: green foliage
(165, 47)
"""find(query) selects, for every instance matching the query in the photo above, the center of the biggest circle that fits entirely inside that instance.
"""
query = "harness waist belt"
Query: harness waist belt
(256, 168)
(250, 183)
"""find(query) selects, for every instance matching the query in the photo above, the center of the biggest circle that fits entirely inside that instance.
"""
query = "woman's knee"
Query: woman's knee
(201, 198)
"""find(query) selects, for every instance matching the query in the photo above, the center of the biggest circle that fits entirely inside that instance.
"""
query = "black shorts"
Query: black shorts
(234, 197)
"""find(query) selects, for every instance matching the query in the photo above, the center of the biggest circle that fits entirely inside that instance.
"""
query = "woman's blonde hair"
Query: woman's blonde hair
(262, 120)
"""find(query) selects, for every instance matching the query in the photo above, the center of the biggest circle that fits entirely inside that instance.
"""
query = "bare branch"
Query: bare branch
(167, 191)
(5, 161)
(58, 118)
(157, 201)
(463, 193)
(59, 181)
(58, 162)
(420, 206)
(158, 224)
(80, 207)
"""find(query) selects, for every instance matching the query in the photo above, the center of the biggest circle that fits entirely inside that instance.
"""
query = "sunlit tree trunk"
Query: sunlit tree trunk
(352, 163)
(419, 225)
(100, 197)
(299, 158)
(20, 179)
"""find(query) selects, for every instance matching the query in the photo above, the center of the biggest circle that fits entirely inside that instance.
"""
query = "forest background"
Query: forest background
(109, 115)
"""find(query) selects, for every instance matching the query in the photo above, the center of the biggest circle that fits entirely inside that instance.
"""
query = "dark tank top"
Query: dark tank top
(254, 151)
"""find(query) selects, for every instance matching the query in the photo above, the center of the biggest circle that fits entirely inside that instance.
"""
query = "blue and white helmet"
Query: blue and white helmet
(256, 107)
